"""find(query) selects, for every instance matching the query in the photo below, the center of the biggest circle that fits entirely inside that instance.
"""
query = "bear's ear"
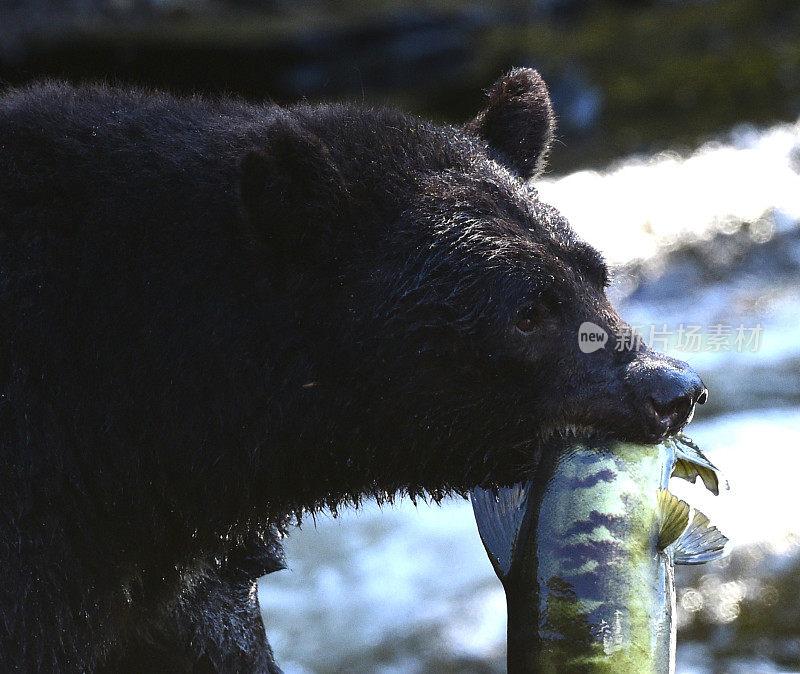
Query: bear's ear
(292, 193)
(518, 123)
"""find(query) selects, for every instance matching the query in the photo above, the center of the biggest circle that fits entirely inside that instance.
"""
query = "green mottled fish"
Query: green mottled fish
(585, 552)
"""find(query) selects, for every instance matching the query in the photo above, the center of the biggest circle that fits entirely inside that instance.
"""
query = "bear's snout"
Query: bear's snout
(667, 390)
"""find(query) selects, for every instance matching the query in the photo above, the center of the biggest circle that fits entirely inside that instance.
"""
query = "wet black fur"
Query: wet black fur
(214, 315)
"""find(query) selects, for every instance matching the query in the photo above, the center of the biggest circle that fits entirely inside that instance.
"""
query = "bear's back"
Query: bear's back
(78, 149)
(123, 264)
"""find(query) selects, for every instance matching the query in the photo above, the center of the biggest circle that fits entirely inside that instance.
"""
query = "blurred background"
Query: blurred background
(678, 155)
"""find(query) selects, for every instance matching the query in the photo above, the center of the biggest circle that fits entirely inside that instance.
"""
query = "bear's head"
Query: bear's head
(448, 323)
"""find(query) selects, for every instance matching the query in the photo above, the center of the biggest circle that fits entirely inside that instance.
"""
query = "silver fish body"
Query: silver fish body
(585, 552)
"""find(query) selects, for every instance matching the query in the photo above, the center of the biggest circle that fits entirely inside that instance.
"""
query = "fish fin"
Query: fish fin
(691, 463)
(673, 517)
(688, 470)
(499, 517)
(701, 542)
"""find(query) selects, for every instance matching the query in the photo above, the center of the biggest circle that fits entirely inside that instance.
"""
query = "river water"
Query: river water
(707, 252)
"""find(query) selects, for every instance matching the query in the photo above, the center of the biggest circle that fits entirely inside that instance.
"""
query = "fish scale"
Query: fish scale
(585, 551)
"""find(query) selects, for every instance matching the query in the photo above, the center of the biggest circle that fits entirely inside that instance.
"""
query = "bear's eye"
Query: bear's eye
(529, 318)
(526, 324)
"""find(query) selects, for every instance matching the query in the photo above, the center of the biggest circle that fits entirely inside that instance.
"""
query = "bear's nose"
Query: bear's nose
(672, 402)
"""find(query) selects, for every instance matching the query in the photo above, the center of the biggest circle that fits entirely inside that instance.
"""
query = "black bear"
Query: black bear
(215, 316)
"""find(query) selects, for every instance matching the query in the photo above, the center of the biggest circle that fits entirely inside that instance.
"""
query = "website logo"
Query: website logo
(591, 337)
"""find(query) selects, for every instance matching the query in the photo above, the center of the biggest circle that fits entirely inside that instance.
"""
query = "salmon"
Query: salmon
(586, 550)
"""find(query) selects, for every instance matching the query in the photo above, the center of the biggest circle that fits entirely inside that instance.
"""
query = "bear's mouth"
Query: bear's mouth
(582, 431)
(577, 431)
